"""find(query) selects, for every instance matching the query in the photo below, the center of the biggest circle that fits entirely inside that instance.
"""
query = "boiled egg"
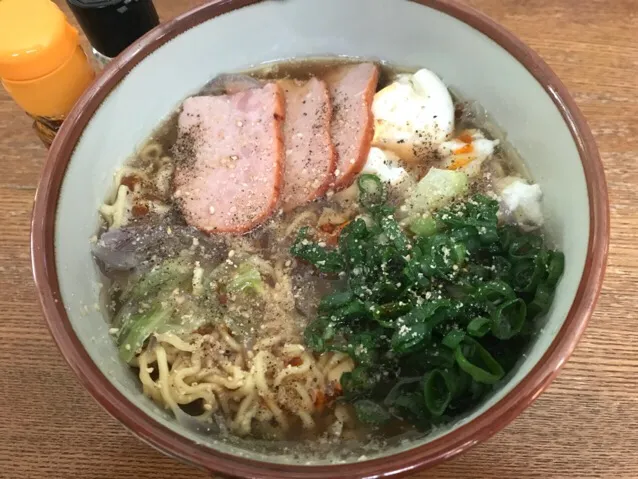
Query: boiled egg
(467, 152)
(520, 201)
(413, 115)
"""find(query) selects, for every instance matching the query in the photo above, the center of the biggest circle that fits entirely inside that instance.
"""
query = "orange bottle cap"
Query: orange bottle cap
(35, 39)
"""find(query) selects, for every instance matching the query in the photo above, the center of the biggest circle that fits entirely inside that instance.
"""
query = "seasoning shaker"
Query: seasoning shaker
(112, 25)
(42, 66)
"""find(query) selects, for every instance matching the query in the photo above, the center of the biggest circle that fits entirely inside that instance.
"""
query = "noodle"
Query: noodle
(176, 342)
(306, 217)
(268, 387)
(117, 213)
(131, 184)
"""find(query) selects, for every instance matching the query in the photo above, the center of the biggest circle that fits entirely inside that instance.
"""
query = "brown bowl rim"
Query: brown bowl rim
(398, 465)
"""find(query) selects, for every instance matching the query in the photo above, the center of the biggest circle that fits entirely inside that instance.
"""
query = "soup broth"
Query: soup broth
(390, 304)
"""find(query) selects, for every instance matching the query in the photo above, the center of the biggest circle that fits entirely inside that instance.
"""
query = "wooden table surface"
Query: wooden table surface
(584, 426)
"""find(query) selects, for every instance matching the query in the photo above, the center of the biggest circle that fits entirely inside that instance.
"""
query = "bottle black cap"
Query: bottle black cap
(112, 25)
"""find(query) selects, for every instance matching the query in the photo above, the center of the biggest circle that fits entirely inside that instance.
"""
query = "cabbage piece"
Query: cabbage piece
(167, 275)
(247, 278)
(138, 329)
(435, 190)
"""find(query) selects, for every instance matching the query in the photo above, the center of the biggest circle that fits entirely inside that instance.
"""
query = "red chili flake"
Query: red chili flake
(328, 228)
(223, 298)
(296, 361)
(129, 181)
(206, 329)
(139, 210)
(332, 232)
(465, 137)
(320, 400)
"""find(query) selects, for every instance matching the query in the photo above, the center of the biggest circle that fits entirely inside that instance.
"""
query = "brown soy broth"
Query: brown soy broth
(272, 240)
(304, 69)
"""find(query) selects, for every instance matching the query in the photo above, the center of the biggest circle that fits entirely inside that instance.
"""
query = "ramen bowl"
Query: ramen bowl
(476, 58)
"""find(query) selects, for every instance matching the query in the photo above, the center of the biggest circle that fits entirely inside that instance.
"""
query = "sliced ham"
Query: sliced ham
(352, 89)
(310, 155)
(230, 159)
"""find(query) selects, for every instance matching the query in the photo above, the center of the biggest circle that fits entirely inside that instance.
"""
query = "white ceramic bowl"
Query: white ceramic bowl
(474, 56)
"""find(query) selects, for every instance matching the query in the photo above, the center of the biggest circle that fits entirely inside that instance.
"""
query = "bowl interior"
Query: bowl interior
(400, 32)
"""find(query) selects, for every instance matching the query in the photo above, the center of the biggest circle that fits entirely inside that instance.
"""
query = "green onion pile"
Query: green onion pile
(433, 317)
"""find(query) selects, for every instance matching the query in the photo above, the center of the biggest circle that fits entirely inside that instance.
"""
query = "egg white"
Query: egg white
(520, 201)
(413, 115)
(467, 152)
(389, 168)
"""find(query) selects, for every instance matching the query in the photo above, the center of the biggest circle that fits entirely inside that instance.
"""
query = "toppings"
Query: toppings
(406, 294)
(352, 89)
(520, 202)
(413, 115)
(436, 189)
(235, 154)
(467, 152)
(233, 181)
(434, 320)
(310, 155)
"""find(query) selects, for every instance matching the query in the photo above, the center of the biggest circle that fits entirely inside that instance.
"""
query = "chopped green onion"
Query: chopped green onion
(453, 338)
(479, 327)
(325, 260)
(371, 191)
(476, 361)
(495, 292)
(371, 413)
(423, 226)
(411, 306)
(335, 301)
(437, 391)
(508, 319)
(525, 247)
(541, 302)
(555, 268)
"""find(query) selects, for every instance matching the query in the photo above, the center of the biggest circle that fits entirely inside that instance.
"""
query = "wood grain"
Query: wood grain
(584, 426)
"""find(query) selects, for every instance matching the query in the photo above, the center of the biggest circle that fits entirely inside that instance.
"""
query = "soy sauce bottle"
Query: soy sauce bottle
(112, 25)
